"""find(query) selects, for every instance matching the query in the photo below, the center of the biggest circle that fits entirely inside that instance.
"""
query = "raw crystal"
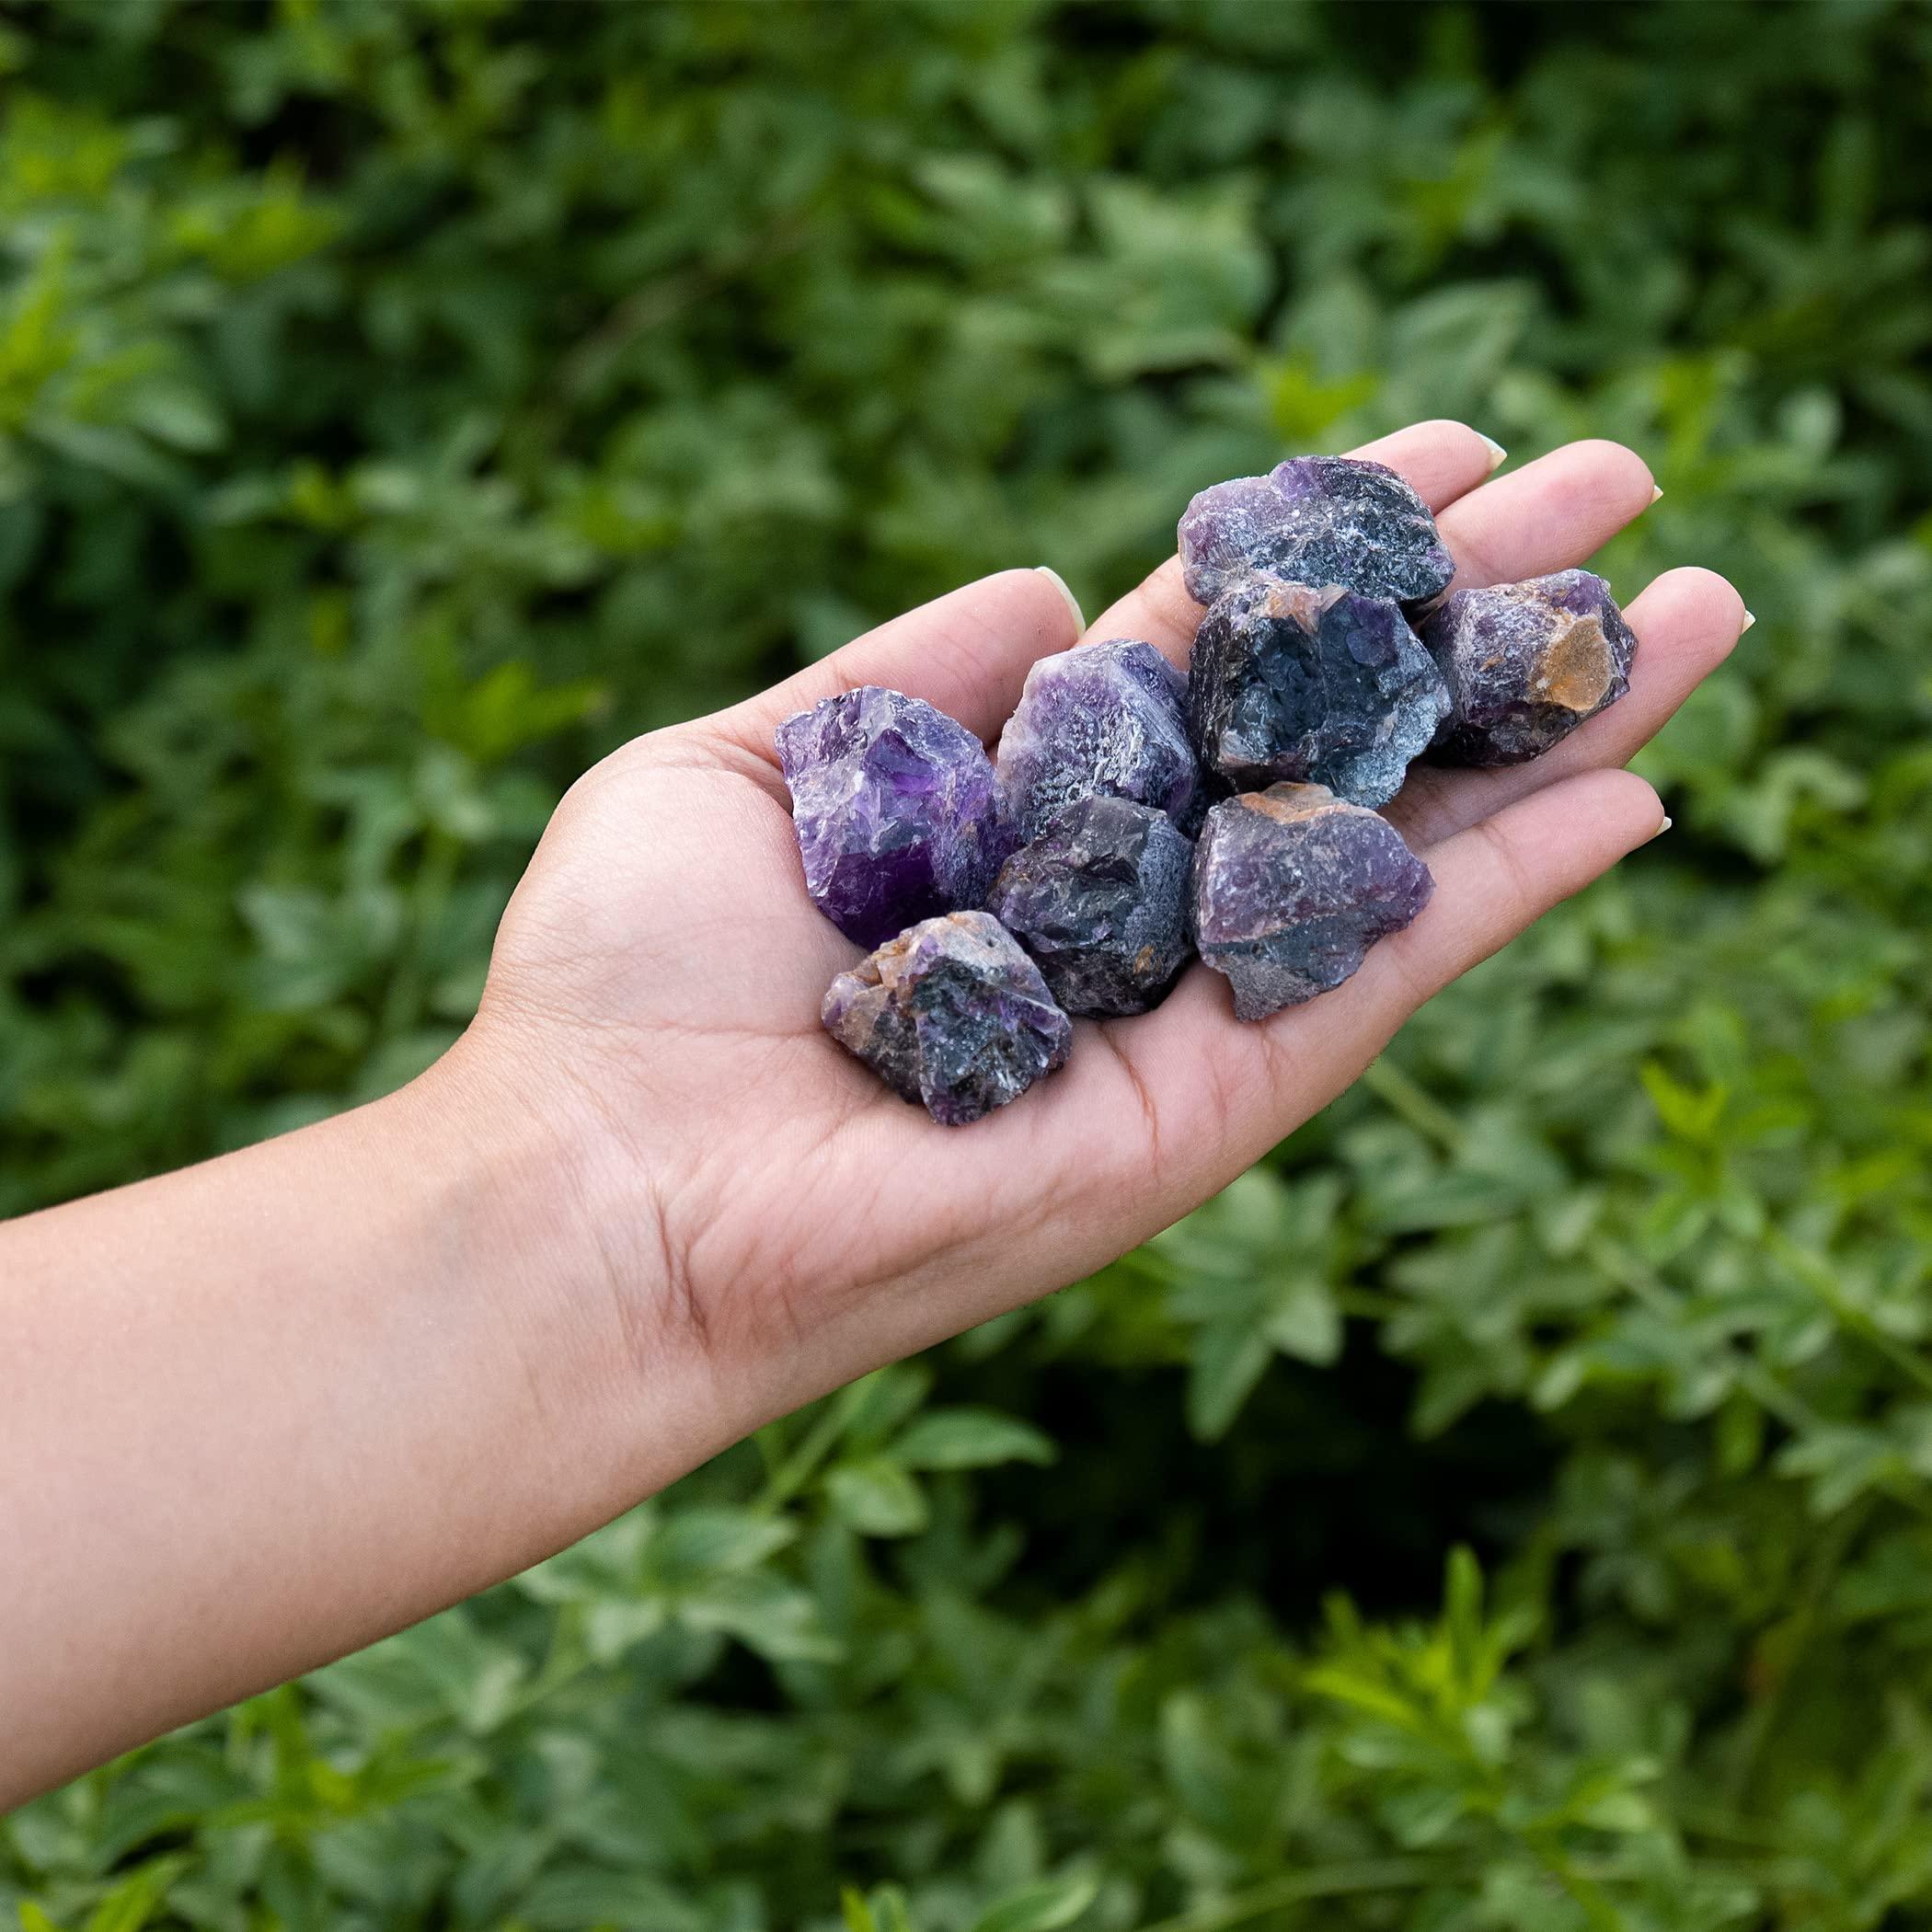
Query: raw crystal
(1293, 886)
(1101, 901)
(1315, 520)
(951, 1014)
(1526, 664)
(1101, 720)
(894, 807)
(1290, 681)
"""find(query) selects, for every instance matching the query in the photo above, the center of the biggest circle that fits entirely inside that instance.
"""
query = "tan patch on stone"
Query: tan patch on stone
(1304, 604)
(1289, 804)
(1576, 669)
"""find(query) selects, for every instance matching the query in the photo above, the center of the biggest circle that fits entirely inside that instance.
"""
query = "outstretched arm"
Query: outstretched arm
(259, 1413)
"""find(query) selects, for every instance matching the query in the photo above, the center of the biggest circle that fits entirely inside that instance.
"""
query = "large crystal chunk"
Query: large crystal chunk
(1315, 520)
(1290, 681)
(951, 1014)
(1101, 901)
(894, 808)
(1103, 719)
(1526, 664)
(1293, 886)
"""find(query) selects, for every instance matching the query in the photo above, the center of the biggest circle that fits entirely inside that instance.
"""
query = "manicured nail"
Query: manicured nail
(1059, 584)
(1749, 621)
(1666, 826)
(1497, 452)
(1655, 492)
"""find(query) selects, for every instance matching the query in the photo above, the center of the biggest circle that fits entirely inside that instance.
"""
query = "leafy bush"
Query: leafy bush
(1510, 1506)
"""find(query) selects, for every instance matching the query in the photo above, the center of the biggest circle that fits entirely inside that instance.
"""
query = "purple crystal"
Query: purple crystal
(1315, 520)
(1526, 664)
(1293, 886)
(895, 809)
(1101, 901)
(1099, 719)
(1288, 682)
(951, 1013)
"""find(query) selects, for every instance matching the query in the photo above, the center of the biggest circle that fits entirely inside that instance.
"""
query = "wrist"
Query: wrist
(538, 1206)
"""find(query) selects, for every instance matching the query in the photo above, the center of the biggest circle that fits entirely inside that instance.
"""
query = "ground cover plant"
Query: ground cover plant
(1510, 1505)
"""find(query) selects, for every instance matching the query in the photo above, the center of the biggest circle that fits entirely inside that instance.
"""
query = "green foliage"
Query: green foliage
(400, 404)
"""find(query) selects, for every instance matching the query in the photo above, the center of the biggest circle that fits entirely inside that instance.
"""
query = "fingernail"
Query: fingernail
(1655, 492)
(1059, 584)
(1497, 455)
(1749, 621)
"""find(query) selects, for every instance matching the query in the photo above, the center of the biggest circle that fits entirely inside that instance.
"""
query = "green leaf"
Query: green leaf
(137, 1898)
(765, 1614)
(612, 1627)
(1306, 1322)
(177, 414)
(970, 1439)
(1227, 1362)
(1040, 1907)
(704, 1542)
(877, 1498)
(570, 1897)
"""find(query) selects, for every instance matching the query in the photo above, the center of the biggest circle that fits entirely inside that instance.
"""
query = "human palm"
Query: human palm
(755, 1191)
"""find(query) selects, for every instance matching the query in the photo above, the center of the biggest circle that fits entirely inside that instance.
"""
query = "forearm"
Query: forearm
(257, 1413)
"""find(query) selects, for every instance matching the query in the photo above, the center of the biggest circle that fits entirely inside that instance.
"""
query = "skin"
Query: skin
(260, 1412)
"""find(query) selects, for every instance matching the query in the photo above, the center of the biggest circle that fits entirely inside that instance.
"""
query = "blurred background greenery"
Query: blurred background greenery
(1509, 1507)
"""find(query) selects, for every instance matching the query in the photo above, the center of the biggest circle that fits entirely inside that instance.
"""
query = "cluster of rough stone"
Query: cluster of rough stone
(1136, 817)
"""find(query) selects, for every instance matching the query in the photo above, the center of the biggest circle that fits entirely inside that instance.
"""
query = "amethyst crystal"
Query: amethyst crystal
(1315, 520)
(894, 808)
(1101, 901)
(951, 1013)
(1293, 886)
(1323, 684)
(1526, 664)
(1099, 719)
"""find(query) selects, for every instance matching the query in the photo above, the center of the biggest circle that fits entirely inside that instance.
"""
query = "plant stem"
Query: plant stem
(795, 1471)
(1827, 1561)
(1420, 1109)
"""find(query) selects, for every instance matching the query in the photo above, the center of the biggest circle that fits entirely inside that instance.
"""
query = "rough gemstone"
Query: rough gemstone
(1099, 719)
(1101, 901)
(1315, 520)
(951, 1014)
(1289, 681)
(895, 810)
(1293, 886)
(1526, 664)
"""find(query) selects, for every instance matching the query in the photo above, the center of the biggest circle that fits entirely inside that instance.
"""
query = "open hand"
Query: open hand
(758, 1200)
